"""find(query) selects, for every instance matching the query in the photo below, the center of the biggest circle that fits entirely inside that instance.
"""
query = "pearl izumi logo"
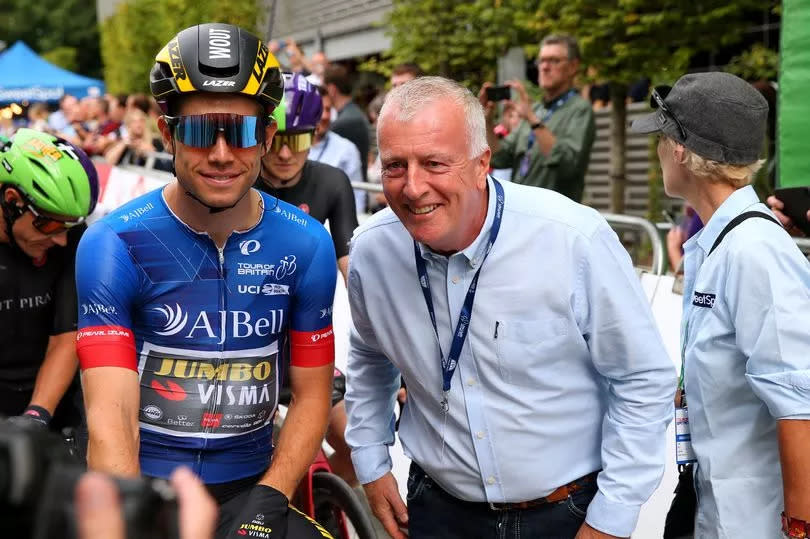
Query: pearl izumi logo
(219, 44)
(249, 246)
(703, 299)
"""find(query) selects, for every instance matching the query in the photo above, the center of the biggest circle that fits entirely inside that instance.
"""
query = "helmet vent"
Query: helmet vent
(40, 191)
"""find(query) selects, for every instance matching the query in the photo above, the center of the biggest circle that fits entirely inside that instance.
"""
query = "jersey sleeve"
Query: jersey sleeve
(64, 300)
(312, 340)
(342, 215)
(106, 283)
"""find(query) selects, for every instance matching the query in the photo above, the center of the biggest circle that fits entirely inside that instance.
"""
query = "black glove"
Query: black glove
(32, 417)
(265, 511)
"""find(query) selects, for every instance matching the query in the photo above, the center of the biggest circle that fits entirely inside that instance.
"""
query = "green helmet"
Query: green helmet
(54, 175)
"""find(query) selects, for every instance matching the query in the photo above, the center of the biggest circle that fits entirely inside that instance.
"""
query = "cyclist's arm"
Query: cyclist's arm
(304, 427)
(343, 221)
(56, 372)
(107, 283)
(312, 357)
(60, 362)
(112, 399)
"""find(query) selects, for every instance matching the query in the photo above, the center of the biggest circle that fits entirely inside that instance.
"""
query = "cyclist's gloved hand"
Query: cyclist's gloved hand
(32, 417)
(265, 512)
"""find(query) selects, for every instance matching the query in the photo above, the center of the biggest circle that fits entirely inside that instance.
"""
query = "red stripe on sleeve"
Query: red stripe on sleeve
(106, 346)
(312, 348)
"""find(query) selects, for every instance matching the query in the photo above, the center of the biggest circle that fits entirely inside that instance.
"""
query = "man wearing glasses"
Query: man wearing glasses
(201, 289)
(47, 188)
(552, 145)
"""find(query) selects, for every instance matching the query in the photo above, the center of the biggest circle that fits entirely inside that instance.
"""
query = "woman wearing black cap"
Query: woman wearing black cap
(745, 345)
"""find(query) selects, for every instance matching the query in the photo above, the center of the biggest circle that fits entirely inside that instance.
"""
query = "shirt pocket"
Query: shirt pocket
(523, 346)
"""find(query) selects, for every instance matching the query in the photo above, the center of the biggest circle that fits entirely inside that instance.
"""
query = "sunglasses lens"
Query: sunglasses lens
(50, 226)
(201, 131)
(295, 142)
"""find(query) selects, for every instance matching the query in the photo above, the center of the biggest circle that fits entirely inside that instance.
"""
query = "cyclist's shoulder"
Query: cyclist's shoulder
(127, 216)
(284, 220)
(323, 173)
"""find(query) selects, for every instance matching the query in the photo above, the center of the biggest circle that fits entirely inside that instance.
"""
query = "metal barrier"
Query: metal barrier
(630, 223)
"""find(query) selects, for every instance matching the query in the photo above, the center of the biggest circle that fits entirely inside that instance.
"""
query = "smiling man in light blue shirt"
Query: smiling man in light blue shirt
(560, 375)
(746, 315)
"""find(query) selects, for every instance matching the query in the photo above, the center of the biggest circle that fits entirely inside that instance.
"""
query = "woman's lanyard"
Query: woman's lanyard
(450, 362)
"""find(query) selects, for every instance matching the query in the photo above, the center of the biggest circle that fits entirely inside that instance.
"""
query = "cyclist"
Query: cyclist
(47, 188)
(200, 286)
(320, 190)
(325, 193)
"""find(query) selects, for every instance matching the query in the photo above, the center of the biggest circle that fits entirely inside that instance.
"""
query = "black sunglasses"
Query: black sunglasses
(657, 97)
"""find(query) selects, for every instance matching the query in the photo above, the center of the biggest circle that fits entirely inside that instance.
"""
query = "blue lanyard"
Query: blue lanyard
(524, 165)
(450, 362)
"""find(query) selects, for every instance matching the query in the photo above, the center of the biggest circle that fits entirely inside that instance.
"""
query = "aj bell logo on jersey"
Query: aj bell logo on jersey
(233, 324)
(703, 299)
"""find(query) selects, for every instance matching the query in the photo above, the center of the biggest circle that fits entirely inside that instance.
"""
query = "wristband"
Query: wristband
(38, 413)
(794, 527)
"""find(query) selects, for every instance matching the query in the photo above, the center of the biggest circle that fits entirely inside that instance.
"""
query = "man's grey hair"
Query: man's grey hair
(570, 43)
(407, 100)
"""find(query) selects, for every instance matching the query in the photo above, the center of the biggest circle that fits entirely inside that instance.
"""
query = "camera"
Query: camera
(499, 93)
(38, 477)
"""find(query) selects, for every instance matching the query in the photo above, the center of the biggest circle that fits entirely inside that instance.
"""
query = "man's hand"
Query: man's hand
(777, 206)
(265, 507)
(99, 513)
(586, 532)
(523, 105)
(387, 505)
(489, 106)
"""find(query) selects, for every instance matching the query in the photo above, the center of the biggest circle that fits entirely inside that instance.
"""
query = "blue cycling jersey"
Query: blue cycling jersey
(205, 327)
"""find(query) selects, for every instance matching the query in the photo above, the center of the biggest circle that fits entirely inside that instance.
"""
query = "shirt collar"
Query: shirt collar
(734, 205)
(474, 252)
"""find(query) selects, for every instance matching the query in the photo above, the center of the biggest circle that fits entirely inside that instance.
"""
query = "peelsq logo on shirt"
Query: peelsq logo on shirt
(703, 299)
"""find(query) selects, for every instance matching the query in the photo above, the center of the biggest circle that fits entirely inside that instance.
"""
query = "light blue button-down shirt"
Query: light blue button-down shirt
(747, 364)
(341, 153)
(563, 371)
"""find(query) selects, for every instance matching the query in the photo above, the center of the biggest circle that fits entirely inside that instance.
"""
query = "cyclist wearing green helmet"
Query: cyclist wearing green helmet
(47, 188)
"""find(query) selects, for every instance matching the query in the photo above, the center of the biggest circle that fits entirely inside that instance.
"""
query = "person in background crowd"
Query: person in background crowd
(332, 149)
(58, 121)
(351, 121)
(568, 370)
(38, 117)
(376, 200)
(777, 206)
(552, 146)
(136, 145)
(403, 73)
(47, 188)
(680, 232)
(745, 376)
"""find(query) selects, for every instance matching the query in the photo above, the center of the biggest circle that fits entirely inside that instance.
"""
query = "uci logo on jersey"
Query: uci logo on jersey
(703, 299)
(249, 246)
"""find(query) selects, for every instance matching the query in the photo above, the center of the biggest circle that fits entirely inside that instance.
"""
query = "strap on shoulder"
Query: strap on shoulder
(738, 220)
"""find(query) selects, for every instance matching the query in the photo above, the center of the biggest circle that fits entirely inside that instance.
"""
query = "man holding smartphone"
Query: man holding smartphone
(552, 145)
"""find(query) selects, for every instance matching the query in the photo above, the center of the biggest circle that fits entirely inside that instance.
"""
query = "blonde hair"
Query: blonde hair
(715, 171)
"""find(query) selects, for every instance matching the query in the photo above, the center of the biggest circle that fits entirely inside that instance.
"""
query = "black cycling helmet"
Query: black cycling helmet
(219, 58)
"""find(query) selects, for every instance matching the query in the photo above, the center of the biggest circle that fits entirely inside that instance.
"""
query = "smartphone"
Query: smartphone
(670, 217)
(797, 202)
(499, 93)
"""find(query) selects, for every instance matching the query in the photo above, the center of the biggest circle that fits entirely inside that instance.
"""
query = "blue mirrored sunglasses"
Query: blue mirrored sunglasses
(201, 131)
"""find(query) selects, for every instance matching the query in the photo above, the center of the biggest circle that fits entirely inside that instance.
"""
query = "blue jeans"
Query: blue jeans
(433, 513)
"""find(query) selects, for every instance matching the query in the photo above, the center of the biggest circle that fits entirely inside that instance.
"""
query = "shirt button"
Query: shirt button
(480, 435)
(490, 480)
(471, 382)
(455, 279)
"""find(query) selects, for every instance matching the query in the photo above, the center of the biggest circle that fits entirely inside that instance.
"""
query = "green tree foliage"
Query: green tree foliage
(626, 39)
(138, 29)
(53, 26)
(64, 57)
(460, 39)
(757, 63)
